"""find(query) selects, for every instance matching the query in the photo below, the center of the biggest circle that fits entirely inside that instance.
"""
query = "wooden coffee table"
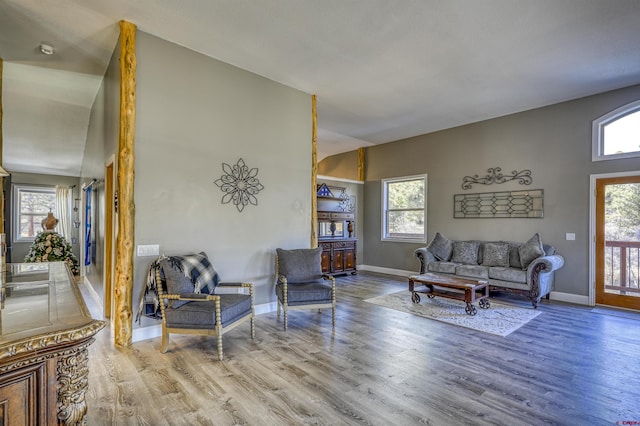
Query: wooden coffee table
(452, 287)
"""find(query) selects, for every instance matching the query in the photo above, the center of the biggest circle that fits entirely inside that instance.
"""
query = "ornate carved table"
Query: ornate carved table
(45, 332)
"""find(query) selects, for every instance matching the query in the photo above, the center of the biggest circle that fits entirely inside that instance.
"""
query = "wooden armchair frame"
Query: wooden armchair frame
(218, 330)
(285, 306)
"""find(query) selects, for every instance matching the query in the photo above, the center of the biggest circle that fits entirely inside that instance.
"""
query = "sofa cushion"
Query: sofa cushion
(300, 265)
(508, 274)
(465, 252)
(495, 254)
(530, 250)
(444, 267)
(473, 271)
(548, 250)
(441, 247)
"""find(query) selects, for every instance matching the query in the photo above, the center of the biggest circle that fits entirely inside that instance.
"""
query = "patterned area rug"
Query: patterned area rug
(500, 319)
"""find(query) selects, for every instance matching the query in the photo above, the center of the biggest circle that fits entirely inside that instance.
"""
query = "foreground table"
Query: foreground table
(45, 332)
(452, 287)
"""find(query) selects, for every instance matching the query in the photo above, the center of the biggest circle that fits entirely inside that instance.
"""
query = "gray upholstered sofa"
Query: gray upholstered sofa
(522, 267)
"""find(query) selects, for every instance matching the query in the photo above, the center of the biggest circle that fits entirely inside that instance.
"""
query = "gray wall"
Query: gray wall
(554, 142)
(193, 114)
(102, 141)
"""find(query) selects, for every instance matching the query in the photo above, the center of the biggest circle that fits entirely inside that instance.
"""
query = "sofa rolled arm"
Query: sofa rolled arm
(425, 257)
(551, 263)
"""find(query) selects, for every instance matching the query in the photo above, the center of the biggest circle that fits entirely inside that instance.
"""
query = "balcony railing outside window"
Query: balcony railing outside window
(622, 268)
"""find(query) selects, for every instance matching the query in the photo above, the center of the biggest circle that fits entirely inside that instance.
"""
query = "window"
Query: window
(31, 205)
(404, 210)
(615, 135)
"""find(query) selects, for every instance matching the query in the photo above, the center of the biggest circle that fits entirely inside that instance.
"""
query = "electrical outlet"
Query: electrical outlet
(148, 250)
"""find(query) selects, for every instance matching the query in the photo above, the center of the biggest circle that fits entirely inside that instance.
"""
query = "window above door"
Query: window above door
(615, 134)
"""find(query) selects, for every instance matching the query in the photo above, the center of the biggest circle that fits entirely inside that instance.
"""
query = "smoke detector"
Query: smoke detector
(46, 49)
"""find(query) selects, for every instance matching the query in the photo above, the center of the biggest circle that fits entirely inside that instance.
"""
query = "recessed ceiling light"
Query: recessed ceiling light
(47, 49)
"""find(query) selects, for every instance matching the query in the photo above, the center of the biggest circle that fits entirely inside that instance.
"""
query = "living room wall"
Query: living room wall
(553, 142)
(195, 113)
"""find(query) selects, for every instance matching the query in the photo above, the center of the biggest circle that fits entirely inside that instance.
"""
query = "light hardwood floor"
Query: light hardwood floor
(568, 366)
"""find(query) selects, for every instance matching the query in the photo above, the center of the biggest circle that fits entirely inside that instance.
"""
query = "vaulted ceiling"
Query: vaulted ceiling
(383, 70)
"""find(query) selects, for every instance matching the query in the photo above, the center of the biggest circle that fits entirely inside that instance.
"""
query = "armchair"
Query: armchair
(185, 312)
(300, 283)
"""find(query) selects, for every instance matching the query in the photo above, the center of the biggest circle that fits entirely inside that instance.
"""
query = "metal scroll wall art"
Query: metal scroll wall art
(495, 175)
(239, 184)
(508, 204)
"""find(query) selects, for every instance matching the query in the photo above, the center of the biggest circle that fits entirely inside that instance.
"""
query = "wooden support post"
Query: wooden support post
(314, 172)
(361, 164)
(123, 288)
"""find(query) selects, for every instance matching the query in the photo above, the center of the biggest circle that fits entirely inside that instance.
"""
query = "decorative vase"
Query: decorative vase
(332, 228)
(350, 228)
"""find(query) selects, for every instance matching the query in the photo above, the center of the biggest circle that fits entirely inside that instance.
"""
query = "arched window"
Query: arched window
(617, 134)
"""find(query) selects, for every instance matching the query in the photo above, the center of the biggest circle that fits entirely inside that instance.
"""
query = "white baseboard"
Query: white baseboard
(388, 271)
(94, 294)
(569, 298)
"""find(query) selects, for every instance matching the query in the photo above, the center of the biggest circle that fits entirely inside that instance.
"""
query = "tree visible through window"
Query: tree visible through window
(617, 134)
(32, 204)
(405, 209)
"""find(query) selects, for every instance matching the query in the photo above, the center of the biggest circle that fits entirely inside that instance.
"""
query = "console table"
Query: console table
(45, 332)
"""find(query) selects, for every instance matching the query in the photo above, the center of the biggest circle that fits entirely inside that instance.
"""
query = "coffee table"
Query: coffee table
(452, 287)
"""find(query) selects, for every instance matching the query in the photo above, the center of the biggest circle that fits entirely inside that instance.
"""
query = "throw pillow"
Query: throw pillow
(300, 265)
(202, 273)
(441, 247)
(176, 282)
(496, 254)
(530, 250)
(465, 252)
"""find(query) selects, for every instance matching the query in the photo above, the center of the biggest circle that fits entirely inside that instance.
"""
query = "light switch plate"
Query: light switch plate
(149, 250)
(571, 236)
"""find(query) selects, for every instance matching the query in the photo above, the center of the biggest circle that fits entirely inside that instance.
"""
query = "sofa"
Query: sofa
(526, 268)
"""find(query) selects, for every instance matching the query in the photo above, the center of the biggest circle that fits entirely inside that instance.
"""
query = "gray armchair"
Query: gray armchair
(300, 283)
(186, 312)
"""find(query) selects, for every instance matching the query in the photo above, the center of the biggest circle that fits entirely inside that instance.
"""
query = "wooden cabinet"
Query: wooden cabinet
(339, 256)
(43, 349)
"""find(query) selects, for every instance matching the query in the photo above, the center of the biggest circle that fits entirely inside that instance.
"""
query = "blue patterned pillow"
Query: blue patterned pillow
(465, 252)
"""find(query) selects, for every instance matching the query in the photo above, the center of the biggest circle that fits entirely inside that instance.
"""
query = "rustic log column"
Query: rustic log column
(361, 164)
(123, 288)
(314, 172)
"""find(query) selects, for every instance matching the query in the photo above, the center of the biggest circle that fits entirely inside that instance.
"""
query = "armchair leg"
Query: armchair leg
(285, 318)
(253, 330)
(333, 317)
(220, 355)
(164, 345)
(279, 306)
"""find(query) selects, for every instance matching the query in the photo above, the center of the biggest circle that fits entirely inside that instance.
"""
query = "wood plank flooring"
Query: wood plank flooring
(568, 366)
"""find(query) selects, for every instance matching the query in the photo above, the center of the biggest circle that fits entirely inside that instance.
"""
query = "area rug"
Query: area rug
(500, 318)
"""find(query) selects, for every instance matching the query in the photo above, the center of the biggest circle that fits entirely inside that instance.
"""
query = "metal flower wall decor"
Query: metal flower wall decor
(495, 175)
(239, 184)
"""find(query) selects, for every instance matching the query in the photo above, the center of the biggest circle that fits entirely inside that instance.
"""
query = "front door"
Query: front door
(618, 241)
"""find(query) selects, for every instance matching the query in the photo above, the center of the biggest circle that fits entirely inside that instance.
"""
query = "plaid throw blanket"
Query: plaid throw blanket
(196, 267)
(199, 269)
